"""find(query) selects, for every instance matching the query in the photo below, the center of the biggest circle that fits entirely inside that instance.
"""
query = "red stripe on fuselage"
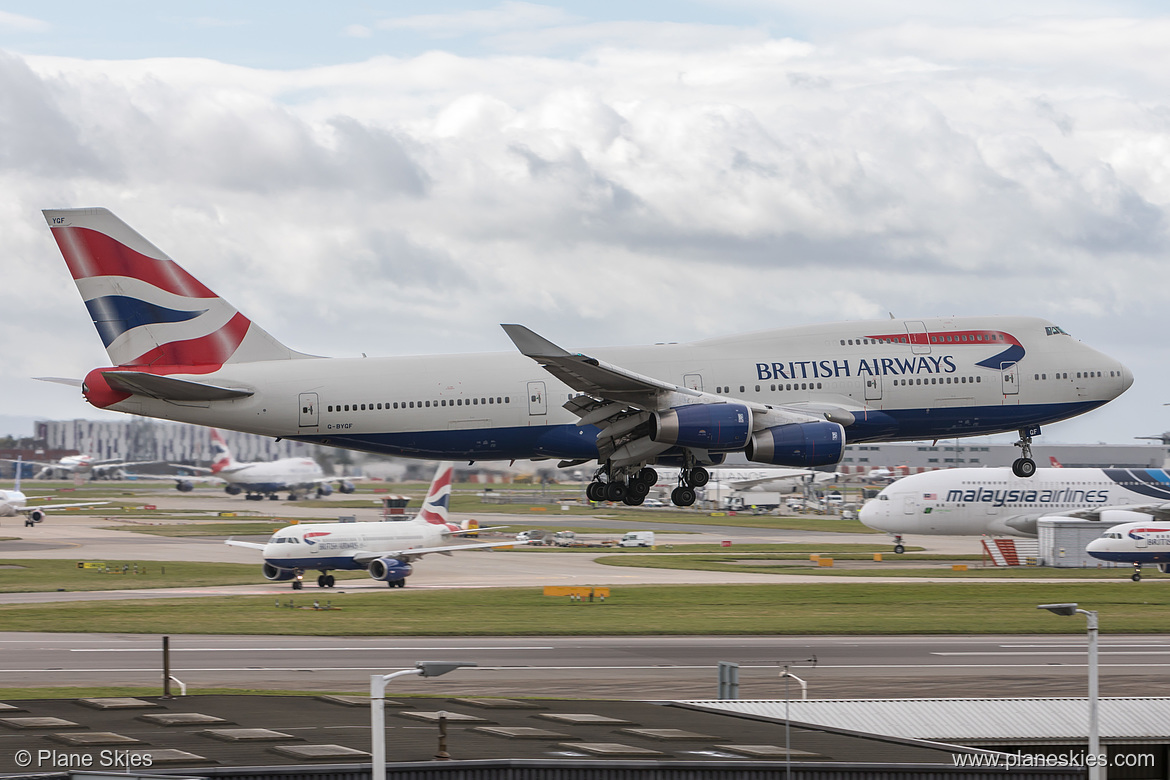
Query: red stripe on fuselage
(954, 336)
(89, 253)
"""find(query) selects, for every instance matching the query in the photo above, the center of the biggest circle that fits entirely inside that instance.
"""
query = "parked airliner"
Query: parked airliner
(384, 549)
(972, 502)
(264, 478)
(13, 503)
(789, 397)
(70, 465)
(1146, 540)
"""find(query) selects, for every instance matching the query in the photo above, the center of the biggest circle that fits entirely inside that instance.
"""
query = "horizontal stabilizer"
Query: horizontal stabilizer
(167, 388)
(60, 380)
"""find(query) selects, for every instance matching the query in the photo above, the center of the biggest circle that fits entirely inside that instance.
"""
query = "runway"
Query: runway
(602, 667)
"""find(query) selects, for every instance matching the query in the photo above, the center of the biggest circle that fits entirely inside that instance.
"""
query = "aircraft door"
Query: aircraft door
(693, 381)
(873, 388)
(308, 415)
(1140, 540)
(909, 505)
(919, 340)
(536, 401)
(1010, 377)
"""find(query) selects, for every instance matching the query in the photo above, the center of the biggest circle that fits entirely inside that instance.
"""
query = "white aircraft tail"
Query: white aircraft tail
(221, 454)
(16, 477)
(438, 500)
(146, 308)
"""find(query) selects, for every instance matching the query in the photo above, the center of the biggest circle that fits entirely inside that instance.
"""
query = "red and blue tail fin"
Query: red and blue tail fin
(438, 500)
(221, 454)
(146, 308)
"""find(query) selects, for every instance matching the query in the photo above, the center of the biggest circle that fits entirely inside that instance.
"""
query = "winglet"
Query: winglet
(532, 344)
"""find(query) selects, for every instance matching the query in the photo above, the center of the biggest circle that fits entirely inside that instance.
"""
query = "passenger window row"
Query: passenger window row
(369, 407)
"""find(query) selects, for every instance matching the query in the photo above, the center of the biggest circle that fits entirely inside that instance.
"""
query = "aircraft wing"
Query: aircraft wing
(1159, 512)
(366, 557)
(249, 545)
(194, 469)
(24, 510)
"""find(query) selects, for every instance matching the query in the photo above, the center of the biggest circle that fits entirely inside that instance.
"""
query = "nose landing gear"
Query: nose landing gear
(1024, 466)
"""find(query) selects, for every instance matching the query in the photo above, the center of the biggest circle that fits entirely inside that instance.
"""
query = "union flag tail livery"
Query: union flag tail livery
(221, 454)
(792, 397)
(438, 500)
(147, 310)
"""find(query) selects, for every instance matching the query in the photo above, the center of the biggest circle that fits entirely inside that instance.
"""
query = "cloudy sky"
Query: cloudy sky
(399, 178)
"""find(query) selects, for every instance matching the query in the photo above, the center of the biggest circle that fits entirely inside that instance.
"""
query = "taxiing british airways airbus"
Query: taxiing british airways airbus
(1147, 540)
(972, 502)
(790, 397)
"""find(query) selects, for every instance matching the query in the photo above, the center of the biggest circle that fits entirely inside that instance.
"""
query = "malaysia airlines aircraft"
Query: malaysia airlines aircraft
(384, 549)
(13, 503)
(260, 479)
(789, 397)
(1143, 541)
(972, 502)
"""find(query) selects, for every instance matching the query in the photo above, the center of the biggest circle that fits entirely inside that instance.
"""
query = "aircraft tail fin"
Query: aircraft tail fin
(16, 477)
(221, 454)
(1056, 464)
(438, 500)
(146, 308)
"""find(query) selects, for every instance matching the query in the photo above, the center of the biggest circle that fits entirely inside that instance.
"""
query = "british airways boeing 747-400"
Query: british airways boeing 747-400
(789, 397)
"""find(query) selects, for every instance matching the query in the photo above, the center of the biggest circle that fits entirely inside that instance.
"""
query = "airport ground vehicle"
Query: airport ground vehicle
(637, 539)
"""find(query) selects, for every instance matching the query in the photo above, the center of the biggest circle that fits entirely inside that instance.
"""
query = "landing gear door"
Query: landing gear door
(308, 415)
(537, 403)
(873, 387)
(1010, 376)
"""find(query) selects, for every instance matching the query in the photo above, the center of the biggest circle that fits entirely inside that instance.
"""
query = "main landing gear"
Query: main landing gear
(630, 489)
(325, 581)
(1024, 466)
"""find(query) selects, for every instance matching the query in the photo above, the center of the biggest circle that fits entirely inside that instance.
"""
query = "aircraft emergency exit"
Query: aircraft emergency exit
(789, 397)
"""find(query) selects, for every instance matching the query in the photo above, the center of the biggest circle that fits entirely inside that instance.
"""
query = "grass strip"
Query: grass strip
(831, 608)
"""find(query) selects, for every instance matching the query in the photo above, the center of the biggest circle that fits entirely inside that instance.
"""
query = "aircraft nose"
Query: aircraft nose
(871, 514)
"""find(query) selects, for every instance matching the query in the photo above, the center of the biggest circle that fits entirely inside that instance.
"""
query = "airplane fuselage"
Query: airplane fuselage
(329, 546)
(274, 476)
(971, 502)
(1147, 541)
(903, 380)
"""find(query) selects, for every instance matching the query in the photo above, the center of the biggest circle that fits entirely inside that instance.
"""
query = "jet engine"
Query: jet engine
(324, 489)
(723, 427)
(345, 486)
(389, 569)
(232, 490)
(276, 574)
(184, 486)
(1117, 516)
(800, 445)
(36, 515)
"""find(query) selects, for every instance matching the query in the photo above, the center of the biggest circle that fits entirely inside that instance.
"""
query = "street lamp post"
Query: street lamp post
(378, 707)
(1096, 767)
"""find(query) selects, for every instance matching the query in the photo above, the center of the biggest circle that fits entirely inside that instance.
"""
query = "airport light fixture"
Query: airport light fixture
(378, 706)
(1096, 765)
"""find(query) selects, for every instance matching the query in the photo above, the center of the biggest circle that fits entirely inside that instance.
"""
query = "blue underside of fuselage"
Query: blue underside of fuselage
(572, 442)
(1133, 557)
(340, 562)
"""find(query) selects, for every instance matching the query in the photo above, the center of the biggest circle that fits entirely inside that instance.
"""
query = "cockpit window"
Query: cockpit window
(1055, 330)
(883, 497)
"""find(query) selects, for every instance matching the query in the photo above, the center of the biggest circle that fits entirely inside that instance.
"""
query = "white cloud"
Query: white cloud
(18, 23)
(643, 191)
(510, 15)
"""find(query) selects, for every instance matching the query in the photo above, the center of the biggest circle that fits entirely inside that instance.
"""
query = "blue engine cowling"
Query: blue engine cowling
(277, 574)
(184, 486)
(719, 427)
(800, 444)
(345, 486)
(324, 489)
(232, 490)
(389, 569)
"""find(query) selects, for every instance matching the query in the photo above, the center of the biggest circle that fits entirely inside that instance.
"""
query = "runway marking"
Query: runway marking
(1082, 644)
(329, 649)
(1062, 652)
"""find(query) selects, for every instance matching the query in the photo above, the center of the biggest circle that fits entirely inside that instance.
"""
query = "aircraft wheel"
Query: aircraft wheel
(614, 491)
(649, 476)
(638, 488)
(329, 580)
(321, 581)
(1137, 576)
(682, 496)
(899, 549)
(698, 477)
(1024, 467)
(632, 499)
(297, 584)
(595, 491)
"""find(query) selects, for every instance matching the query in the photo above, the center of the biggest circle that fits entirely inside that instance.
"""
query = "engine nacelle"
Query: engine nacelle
(1117, 516)
(345, 486)
(389, 569)
(232, 490)
(277, 574)
(801, 445)
(183, 486)
(724, 427)
(324, 489)
(36, 515)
